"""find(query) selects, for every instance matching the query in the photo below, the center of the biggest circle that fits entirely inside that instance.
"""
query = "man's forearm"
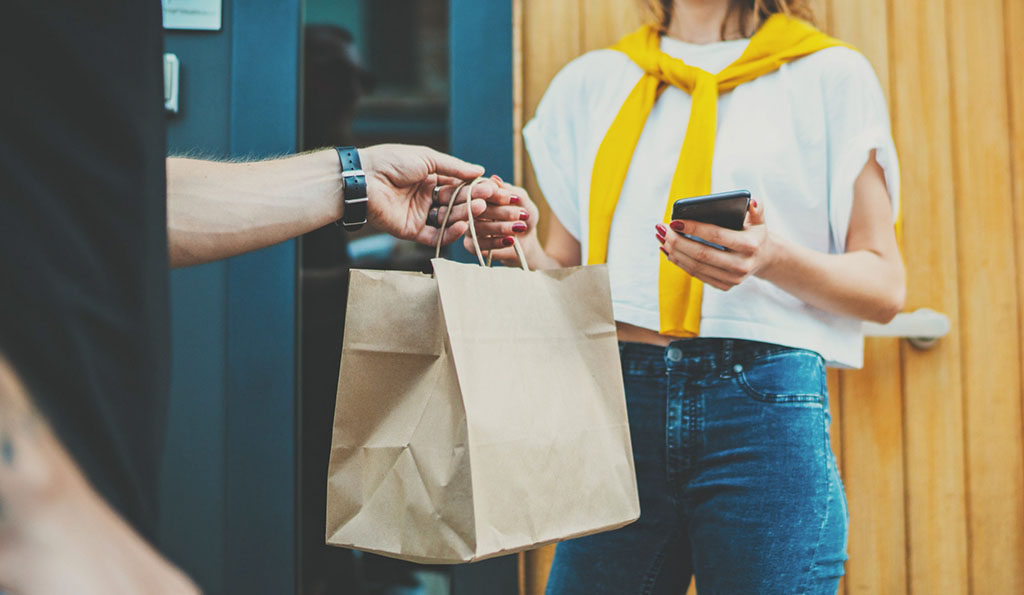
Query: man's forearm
(216, 210)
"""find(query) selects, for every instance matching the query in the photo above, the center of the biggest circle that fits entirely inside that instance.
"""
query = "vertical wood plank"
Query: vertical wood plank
(537, 565)
(872, 428)
(932, 396)
(1014, 20)
(836, 439)
(821, 14)
(872, 440)
(988, 295)
(605, 21)
(863, 24)
(551, 40)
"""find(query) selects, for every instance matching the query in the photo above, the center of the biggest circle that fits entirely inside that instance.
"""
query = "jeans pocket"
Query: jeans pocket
(790, 376)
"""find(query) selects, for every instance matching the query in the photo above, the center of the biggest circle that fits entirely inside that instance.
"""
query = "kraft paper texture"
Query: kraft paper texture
(480, 412)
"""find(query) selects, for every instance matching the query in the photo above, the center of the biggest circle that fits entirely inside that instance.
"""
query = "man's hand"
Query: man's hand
(400, 180)
(217, 210)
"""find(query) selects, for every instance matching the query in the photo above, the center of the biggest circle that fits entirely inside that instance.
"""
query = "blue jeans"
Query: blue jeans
(738, 484)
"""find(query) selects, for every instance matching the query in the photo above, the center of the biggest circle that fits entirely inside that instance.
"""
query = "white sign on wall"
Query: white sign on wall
(192, 14)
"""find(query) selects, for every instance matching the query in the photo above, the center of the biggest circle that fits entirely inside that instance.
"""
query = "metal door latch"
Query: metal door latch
(172, 73)
(921, 328)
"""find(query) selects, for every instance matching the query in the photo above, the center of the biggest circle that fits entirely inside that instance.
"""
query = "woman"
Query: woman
(723, 351)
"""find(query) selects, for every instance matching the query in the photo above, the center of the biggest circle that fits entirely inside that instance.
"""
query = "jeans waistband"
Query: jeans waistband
(697, 355)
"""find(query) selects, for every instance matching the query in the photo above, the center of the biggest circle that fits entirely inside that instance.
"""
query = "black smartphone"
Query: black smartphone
(725, 209)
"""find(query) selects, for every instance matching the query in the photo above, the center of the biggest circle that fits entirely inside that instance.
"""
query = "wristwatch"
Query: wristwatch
(354, 180)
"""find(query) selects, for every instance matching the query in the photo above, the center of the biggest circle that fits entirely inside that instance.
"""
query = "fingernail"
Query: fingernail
(660, 237)
(678, 226)
(753, 203)
(508, 241)
(519, 227)
(497, 177)
(524, 215)
(664, 251)
(662, 230)
(515, 200)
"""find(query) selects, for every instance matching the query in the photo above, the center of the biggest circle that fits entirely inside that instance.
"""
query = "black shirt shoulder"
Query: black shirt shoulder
(83, 241)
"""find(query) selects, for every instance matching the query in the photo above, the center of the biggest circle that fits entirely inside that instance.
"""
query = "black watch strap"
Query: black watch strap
(354, 180)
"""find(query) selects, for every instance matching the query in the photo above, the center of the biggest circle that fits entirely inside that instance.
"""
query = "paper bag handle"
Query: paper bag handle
(472, 228)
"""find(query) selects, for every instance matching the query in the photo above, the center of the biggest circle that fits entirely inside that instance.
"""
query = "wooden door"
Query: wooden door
(929, 442)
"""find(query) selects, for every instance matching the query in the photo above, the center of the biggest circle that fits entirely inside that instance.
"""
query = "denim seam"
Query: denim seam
(828, 507)
(651, 576)
(741, 380)
(785, 352)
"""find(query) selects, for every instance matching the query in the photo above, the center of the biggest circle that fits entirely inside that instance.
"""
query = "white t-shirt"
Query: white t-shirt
(796, 138)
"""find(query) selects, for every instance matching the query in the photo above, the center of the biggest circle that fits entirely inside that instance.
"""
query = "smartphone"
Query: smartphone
(725, 209)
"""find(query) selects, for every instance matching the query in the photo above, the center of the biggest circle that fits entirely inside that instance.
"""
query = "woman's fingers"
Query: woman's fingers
(755, 214)
(734, 241)
(500, 228)
(715, 278)
(488, 243)
(505, 213)
(732, 262)
(674, 247)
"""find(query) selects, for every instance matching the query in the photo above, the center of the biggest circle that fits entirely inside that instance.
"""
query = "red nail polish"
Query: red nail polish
(664, 251)
(519, 227)
(660, 237)
(753, 203)
(508, 241)
(515, 200)
(678, 226)
(524, 215)
(662, 230)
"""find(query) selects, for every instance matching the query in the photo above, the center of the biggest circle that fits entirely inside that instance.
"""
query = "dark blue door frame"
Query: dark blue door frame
(229, 483)
(482, 131)
(229, 480)
(480, 54)
(262, 478)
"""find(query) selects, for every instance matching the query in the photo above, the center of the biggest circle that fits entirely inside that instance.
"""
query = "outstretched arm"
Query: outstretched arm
(216, 210)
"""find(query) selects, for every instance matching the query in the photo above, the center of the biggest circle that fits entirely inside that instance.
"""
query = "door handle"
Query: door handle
(172, 76)
(922, 328)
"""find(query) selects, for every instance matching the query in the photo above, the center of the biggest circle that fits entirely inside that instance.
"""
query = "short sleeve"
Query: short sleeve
(857, 123)
(552, 141)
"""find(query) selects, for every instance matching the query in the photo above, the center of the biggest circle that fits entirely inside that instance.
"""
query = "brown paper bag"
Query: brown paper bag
(479, 412)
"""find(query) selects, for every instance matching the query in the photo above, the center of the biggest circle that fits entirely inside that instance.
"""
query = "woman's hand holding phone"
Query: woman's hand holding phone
(513, 215)
(747, 252)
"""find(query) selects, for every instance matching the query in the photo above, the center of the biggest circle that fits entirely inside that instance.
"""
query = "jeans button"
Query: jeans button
(737, 368)
(675, 354)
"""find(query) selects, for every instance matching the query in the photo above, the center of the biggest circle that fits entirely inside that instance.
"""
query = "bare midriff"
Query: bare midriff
(635, 334)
